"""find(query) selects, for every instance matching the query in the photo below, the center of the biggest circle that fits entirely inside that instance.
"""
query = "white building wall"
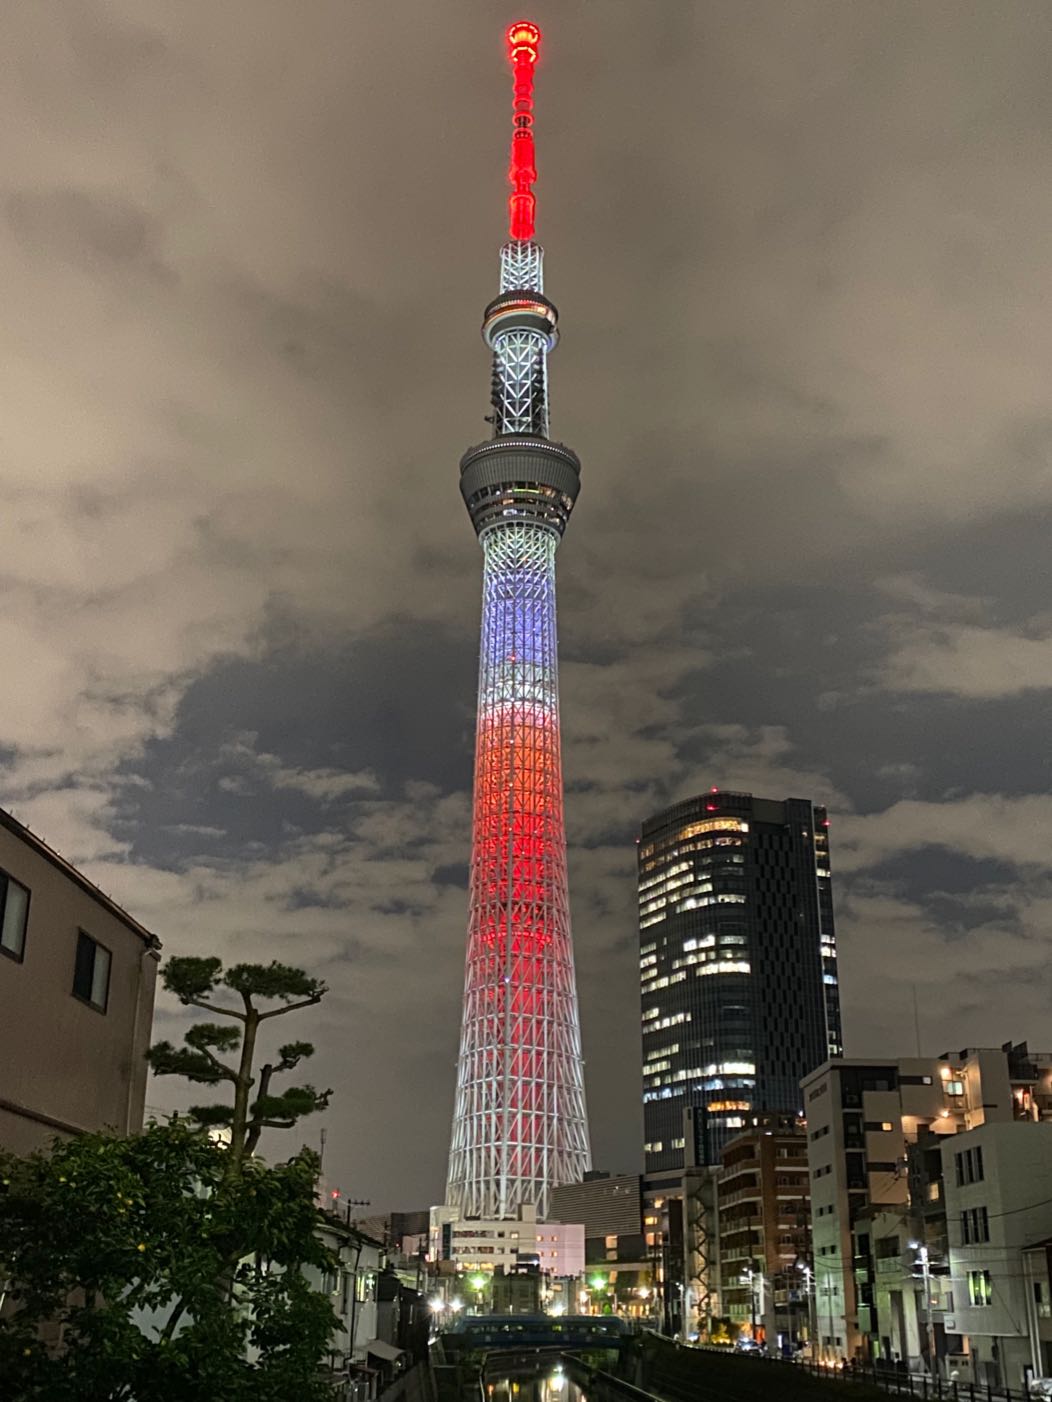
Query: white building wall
(486, 1245)
(1015, 1190)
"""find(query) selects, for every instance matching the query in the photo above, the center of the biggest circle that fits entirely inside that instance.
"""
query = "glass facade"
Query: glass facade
(738, 967)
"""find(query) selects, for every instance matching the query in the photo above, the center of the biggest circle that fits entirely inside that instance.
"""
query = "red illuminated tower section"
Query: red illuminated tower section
(519, 1127)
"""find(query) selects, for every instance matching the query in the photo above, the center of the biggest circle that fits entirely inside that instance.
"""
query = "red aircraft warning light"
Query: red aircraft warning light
(524, 41)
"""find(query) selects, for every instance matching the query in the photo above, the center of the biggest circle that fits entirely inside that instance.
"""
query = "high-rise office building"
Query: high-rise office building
(738, 967)
(519, 1125)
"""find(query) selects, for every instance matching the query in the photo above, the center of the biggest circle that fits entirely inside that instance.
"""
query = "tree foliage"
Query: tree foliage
(201, 983)
(173, 1264)
(172, 1279)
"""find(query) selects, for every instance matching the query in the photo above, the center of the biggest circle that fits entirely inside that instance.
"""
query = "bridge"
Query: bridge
(524, 1333)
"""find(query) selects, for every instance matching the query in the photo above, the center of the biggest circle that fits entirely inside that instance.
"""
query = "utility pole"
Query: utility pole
(812, 1310)
(925, 1265)
(829, 1290)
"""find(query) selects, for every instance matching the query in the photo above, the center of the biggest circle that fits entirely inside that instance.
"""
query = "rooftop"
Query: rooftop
(78, 878)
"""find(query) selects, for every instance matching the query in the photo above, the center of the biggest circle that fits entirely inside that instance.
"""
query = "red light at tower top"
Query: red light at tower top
(524, 41)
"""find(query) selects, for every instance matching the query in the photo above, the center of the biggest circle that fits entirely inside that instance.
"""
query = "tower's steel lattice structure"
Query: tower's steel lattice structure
(519, 1127)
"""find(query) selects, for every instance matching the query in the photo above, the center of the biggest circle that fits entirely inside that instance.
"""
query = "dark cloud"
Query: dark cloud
(801, 255)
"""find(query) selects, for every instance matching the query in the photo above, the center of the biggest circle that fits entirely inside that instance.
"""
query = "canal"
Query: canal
(537, 1380)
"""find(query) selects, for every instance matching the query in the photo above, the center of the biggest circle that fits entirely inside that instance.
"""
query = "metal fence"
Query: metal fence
(920, 1385)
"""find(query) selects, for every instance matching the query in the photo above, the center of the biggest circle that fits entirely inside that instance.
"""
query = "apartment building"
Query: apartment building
(876, 1132)
(998, 1190)
(681, 1233)
(77, 977)
(474, 1243)
(611, 1208)
(764, 1216)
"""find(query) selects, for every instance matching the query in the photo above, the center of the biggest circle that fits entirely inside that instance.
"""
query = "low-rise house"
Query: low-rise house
(77, 976)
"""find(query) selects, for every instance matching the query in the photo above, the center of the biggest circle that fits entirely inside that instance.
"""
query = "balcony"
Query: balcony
(740, 1253)
(730, 1226)
(892, 1265)
(742, 1195)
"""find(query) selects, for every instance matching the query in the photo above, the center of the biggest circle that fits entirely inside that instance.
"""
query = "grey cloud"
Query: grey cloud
(97, 230)
(799, 253)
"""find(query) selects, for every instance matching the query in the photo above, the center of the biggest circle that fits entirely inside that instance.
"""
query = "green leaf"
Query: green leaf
(190, 978)
(212, 1114)
(100, 1233)
(167, 1060)
(282, 1111)
(214, 1036)
(292, 1053)
(274, 980)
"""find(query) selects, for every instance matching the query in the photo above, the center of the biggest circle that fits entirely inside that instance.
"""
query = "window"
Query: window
(14, 910)
(975, 1226)
(91, 973)
(980, 1293)
(968, 1166)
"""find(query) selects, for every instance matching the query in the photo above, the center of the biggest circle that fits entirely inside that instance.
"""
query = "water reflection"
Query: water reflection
(544, 1383)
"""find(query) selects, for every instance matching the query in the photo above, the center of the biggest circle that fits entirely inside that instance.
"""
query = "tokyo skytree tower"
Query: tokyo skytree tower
(519, 1126)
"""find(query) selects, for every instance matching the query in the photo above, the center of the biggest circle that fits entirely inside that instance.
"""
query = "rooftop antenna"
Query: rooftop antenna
(524, 40)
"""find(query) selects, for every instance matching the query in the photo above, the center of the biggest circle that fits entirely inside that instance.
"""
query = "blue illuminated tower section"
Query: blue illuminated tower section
(519, 1126)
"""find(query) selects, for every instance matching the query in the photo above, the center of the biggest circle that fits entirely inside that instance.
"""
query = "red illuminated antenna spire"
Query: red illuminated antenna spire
(524, 42)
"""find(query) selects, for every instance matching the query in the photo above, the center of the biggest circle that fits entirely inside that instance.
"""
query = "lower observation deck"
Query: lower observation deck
(520, 478)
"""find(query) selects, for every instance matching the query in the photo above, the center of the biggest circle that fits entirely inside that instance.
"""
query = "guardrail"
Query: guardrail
(897, 1382)
(919, 1385)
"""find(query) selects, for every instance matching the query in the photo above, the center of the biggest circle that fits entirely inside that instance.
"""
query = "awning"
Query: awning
(387, 1352)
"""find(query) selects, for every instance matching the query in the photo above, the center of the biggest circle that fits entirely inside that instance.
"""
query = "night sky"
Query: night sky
(802, 256)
